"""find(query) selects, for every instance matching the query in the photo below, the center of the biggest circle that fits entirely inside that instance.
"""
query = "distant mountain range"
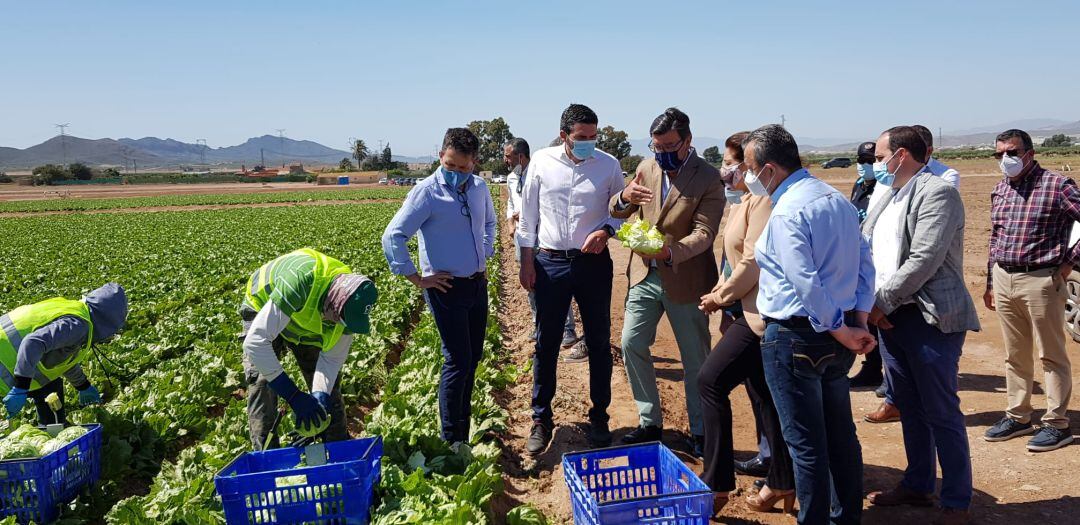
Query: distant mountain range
(152, 152)
(983, 136)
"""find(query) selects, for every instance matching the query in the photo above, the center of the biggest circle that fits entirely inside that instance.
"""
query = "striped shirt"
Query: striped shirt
(290, 278)
(1031, 221)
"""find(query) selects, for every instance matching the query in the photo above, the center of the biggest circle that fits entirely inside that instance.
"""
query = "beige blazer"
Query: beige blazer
(745, 223)
(689, 219)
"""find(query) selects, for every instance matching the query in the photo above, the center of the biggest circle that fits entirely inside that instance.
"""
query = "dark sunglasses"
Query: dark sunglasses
(1009, 152)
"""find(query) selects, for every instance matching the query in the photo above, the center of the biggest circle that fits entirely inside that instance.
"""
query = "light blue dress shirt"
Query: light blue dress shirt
(449, 240)
(814, 261)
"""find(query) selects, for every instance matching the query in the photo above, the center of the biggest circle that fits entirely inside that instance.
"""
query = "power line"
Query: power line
(63, 139)
(281, 140)
(202, 151)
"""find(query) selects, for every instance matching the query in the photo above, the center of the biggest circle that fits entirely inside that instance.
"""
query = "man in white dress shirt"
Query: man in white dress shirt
(933, 165)
(516, 155)
(564, 214)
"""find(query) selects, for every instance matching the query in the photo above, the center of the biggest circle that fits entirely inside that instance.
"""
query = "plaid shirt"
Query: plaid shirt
(1031, 220)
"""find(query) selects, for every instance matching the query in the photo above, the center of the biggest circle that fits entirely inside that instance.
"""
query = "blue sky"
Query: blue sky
(404, 71)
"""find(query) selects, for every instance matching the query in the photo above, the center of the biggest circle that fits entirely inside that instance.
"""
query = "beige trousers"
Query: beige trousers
(1031, 307)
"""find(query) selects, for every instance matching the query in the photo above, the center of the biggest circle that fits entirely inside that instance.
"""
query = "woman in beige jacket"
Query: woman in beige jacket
(737, 357)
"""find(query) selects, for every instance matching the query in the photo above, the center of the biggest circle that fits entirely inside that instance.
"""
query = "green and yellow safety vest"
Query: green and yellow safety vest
(20, 322)
(297, 282)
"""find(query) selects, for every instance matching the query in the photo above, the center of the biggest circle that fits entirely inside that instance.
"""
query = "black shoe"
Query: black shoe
(697, 446)
(756, 467)
(643, 435)
(539, 438)
(1006, 429)
(881, 390)
(867, 378)
(599, 435)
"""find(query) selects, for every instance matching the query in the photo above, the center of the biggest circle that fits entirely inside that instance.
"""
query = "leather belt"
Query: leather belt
(564, 254)
(1026, 268)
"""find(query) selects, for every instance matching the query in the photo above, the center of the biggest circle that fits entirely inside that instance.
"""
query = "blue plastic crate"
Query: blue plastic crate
(265, 487)
(34, 489)
(635, 484)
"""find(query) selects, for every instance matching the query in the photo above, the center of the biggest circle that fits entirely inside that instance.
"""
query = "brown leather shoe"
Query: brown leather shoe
(900, 495)
(953, 517)
(885, 413)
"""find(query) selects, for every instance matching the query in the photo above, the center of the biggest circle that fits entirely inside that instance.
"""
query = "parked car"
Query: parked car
(498, 179)
(1072, 286)
(838, 162)
(384, 181)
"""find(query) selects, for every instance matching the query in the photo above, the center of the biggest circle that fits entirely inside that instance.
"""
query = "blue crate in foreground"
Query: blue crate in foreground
(266, 487)
(34, 489)
(635, 484)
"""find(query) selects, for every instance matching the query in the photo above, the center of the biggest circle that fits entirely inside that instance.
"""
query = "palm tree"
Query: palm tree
(360, 152)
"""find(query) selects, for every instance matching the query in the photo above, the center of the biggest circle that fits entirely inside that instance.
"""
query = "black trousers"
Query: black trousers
(737, 359)
(45, 413)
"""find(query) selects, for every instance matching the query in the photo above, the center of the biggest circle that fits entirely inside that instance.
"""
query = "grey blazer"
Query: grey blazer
(931, 270)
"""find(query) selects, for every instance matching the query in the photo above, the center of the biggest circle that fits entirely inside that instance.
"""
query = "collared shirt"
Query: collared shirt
(515, 182)
(563, 202)
(456, 228)
(888, 233)
(814, 261)
(941, 170)
(1031, 219)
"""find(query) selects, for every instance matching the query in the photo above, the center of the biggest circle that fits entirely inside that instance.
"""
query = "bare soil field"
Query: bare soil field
(1012, 485)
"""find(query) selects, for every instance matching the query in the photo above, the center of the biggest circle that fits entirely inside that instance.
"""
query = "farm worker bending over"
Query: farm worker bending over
(310, 304)
(42, 341)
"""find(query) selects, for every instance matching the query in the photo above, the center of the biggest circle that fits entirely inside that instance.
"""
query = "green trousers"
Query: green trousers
(645, 304)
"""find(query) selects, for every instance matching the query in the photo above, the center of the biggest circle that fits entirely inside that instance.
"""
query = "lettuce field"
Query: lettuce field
(174, 411)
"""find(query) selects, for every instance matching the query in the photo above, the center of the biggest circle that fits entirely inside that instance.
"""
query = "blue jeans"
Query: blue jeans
(921, 366)
(807, 376)
(586, 279)
(461, 317)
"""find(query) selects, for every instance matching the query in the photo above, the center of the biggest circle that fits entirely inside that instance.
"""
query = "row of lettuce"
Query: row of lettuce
(176, 412)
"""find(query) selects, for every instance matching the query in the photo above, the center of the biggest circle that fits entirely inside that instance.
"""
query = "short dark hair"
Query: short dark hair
(671, 119)
(518, 146)
(907, 137)
(461, 140)
(772, 143)
(1013, 133)
(577, 114)
(924, 132)
(735, 142)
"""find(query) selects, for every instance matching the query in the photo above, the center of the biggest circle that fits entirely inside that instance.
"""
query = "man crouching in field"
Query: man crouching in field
(453, 217)
(310, 304)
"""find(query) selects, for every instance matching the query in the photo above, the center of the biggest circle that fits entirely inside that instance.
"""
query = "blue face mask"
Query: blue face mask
(866, 171)
(583, 149)
(733, 196)
(668, 160)
(456, 178)
(882, 173)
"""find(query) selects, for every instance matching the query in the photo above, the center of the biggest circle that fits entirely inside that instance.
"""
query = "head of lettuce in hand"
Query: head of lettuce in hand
(641, 237)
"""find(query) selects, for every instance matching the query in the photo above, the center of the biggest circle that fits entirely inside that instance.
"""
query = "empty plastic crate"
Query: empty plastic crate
(635, 484)
(267, 487)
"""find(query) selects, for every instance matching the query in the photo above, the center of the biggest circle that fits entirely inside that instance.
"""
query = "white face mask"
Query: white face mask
(753, 183)
(1011, 166)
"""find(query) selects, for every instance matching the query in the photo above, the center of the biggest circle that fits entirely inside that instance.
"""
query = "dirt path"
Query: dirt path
(1011, 484)
(194, 207)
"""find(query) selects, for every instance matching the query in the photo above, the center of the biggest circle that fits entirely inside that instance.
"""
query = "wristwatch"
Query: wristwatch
(610, 231)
